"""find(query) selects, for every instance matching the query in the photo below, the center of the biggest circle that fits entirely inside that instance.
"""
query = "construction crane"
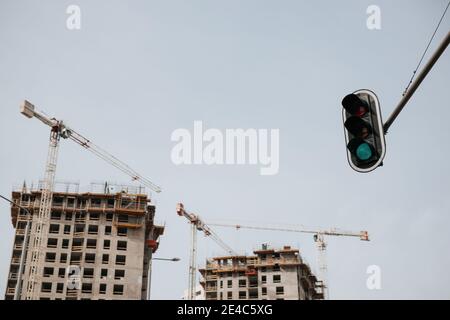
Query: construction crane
(198, 225)
(40, 226)
(319, 239)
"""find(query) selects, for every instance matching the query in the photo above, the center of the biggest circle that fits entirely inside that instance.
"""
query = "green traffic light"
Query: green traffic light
(364, 152)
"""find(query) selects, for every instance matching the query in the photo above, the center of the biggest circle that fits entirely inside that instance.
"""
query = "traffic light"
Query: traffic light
(364, 133)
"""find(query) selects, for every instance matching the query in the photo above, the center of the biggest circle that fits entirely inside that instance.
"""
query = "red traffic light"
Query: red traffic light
(354, 105)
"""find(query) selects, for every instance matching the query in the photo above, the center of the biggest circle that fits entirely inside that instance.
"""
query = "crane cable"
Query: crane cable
(426, 49)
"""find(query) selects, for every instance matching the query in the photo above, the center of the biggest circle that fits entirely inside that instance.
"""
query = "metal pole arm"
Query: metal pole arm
(417, 82)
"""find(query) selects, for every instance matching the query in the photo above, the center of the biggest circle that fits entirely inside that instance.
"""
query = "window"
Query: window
(121, 245)
(86, 288)
(63, 258)
(96, 203)
(102, 289)
(54, 228)
(106, 244)
(105, 259)
(70, 204)
(91, 243)
(221, 284)
(77, 244)
(55, 216)
(263, 269)
(88, 273)
(94, 216)
(119, 274)
(46, 287)
(264, 291)
(253, 293)
(58, 201)
(242, 283)
(263, 279)
(52, 243)
(104, 273)
(67, 229)
(90, 258)
(60, 288)
(82, 203)
(276, 278)
(50, 257)
(230, 295)
(108, 230)
(93, 229)
(110, 203)
(229, 283)
(48, 272)
(79, 228)
(122, 218)
(242, 294)
(122, 232)
(75, 258)
(61, 272)
(118, 289)
(109, 216)
(65, 244)
(276, 267)
(253, 281)
(120, 260)
(280, 290)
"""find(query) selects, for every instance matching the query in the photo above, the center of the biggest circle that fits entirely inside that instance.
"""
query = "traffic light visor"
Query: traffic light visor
(354, 105)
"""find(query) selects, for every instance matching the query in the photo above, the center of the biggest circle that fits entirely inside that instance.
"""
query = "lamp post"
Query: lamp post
(150, 270)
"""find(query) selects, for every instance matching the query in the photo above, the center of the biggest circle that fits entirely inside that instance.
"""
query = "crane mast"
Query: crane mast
(41, 220)
(198, 225)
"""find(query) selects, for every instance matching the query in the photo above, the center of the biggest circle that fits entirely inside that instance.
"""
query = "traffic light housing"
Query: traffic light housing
(363, 127)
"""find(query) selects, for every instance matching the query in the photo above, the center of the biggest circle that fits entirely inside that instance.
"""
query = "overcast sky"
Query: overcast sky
(138, 70)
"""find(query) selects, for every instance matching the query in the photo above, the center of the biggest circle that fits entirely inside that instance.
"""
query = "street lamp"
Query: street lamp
(175, 259)
(168, 259)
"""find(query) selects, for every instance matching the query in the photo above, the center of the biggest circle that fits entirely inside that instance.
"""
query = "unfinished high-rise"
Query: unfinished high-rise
(269, 274)
(98, 244)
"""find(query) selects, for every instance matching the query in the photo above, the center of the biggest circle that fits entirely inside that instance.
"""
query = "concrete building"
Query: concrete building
(269, 274)
(97, 245)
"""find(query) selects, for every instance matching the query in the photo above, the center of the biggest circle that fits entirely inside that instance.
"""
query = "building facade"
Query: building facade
(97, 245)
(269, 274)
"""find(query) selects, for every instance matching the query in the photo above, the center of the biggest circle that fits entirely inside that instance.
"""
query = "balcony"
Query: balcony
(10, 291)
(211, 288)
(72, 293)
(15, 260)
(13, 276)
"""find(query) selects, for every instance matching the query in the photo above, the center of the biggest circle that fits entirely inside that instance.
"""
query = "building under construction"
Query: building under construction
(98, 244)
(269, 274)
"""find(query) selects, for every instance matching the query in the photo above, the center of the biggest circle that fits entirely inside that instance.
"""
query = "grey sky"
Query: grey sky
(138, 70)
